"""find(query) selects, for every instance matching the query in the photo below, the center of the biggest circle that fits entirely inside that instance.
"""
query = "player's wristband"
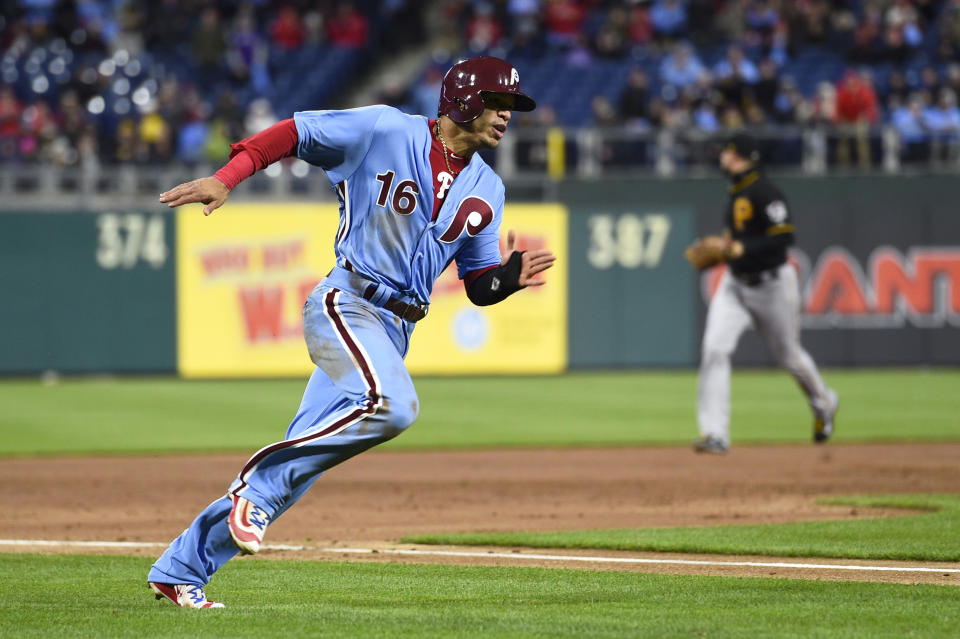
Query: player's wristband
(498, 283)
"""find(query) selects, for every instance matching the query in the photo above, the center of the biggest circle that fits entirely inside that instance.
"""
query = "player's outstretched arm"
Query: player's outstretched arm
(517, 270)
(246, 158)
(209, 191)
(531, 262)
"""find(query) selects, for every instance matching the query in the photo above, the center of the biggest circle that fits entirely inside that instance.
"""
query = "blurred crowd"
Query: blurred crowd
(120, 81)
(713, 65)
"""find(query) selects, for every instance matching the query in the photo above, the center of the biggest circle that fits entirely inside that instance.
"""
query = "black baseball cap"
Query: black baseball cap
(745, 146)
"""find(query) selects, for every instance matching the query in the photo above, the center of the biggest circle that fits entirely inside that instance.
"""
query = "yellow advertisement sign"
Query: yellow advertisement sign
(244, 272)
(527, 333)
(243, 275)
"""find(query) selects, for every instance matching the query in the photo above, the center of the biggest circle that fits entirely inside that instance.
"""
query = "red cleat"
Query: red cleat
(248, 522)
(184, 595)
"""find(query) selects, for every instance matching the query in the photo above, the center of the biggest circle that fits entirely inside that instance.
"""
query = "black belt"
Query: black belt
(758, 277)
(409, 312)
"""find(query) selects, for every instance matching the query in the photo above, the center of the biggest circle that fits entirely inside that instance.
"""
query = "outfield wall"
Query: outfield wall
(86, 292)
(148, 290)
(879, 263)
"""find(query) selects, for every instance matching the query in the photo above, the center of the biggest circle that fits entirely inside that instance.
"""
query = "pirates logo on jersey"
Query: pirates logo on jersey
(742, 211)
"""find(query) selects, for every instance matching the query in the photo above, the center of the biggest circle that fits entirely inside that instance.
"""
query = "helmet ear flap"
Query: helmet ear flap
(463, 109)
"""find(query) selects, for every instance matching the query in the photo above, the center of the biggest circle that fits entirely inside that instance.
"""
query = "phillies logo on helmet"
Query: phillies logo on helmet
(462, 89)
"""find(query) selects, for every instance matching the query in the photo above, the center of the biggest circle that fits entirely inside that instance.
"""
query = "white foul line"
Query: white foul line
(633, 560)
(81, 544)
(499, 555)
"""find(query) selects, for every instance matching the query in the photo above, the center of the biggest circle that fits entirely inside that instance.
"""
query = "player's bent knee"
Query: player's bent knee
(399, 415)
(405, 414)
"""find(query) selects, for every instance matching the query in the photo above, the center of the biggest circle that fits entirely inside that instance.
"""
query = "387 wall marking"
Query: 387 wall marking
(628, 240)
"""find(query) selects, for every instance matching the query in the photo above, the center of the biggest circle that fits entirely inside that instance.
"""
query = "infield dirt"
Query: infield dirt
(381, 496)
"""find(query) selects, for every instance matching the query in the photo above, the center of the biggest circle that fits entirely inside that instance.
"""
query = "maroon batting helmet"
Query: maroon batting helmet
(461, 94)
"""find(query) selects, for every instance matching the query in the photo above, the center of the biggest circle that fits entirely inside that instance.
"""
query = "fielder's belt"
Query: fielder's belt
(403, 306)
(758, 277)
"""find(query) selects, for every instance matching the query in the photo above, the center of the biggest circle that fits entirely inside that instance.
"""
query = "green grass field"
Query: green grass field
(931, 536)
(130, 415)
(43, 596)
(105, 596)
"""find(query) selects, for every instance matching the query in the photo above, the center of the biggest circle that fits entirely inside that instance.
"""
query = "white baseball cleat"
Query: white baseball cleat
(248, 522)
(184, 595)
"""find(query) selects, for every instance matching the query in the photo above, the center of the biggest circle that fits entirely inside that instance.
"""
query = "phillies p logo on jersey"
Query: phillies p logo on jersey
(473, 215)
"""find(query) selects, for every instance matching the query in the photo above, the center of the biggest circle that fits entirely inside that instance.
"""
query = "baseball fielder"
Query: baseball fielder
(760, 289)
(414, 196)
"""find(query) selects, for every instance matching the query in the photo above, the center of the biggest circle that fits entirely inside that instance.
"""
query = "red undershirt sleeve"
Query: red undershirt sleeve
(472, 276)
(258, 152)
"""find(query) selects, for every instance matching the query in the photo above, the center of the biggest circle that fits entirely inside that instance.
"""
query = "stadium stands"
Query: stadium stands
(121, 81)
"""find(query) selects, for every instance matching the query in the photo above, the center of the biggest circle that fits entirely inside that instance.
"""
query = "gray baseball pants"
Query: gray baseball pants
(773, 308)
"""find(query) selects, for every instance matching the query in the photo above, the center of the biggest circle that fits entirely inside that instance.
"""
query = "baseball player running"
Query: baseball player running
(414, 196)
(759, 288)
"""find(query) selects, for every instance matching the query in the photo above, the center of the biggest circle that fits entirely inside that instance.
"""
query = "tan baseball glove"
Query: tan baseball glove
(711, 250)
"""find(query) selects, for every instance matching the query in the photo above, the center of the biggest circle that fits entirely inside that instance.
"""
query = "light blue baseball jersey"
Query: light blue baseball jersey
(378, 160)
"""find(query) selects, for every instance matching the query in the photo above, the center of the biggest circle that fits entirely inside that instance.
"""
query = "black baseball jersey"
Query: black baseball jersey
(758, 216)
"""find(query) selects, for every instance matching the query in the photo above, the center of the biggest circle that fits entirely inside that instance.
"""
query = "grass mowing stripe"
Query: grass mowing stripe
(106, 597)
(930, 536)
(130, 415)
